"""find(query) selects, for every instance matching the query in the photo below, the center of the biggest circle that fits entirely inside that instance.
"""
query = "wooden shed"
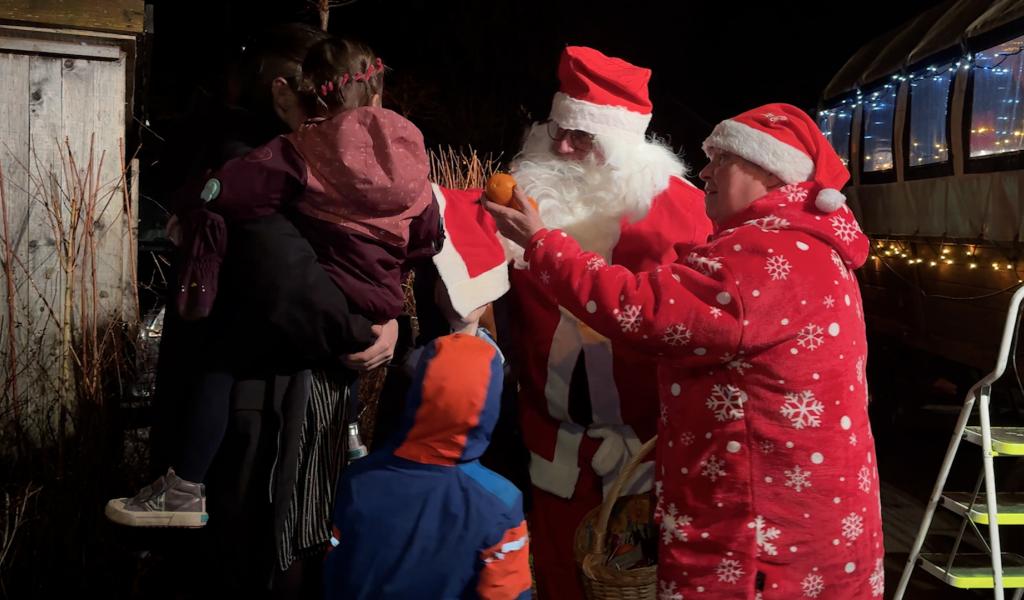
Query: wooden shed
(68, 227)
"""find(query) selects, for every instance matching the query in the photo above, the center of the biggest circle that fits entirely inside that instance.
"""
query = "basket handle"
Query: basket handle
(601, 526)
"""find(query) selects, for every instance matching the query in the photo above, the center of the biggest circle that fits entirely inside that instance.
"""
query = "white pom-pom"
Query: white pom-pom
(829, 200)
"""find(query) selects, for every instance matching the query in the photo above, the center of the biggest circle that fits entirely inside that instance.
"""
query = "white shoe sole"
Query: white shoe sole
(117, 513)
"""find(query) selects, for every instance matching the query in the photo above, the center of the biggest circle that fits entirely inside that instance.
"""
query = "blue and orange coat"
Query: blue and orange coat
(421, 517)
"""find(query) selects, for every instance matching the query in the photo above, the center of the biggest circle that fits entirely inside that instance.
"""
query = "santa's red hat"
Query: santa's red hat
(471, 262)
(786, 142)
(601, 95)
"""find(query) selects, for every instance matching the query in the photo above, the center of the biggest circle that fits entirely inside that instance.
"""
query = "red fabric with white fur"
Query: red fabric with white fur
(624, 395)
(587, 74)
(785, 141)
(471, 261)
(766, 460)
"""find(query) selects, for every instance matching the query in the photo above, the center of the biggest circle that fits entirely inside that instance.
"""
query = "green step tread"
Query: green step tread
(1010, 507)
(974, 571)
(1007, 441)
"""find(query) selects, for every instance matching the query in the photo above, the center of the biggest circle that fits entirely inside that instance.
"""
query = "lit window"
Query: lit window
(929, 93)
(835, 124)
(879, 107)
(997, 121)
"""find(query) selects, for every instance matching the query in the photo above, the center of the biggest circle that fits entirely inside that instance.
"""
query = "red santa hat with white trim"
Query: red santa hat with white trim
(601, 95)
(471, 262)
(786, 142)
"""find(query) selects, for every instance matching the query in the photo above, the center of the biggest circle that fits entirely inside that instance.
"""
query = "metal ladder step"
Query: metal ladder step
(1009, 507)
(1006, 441)
(974, 571)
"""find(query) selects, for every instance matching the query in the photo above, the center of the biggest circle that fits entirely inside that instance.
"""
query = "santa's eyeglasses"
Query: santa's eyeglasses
(581, 140)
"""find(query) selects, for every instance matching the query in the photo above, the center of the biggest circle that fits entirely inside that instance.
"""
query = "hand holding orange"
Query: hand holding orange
(499, 190)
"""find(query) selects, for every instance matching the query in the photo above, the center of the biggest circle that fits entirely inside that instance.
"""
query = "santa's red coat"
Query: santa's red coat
(622, 386)
(621, 382)
(767, 484)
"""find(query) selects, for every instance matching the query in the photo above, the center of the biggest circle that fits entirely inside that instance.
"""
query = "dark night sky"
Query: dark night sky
(474, 72)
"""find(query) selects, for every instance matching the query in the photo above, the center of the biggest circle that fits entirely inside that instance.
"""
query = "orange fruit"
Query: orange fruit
(499, 188)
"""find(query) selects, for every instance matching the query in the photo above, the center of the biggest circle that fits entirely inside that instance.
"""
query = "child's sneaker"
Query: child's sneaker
(170, 501)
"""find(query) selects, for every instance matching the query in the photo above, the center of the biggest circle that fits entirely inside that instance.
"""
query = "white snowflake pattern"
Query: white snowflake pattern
(829, 301)
(659, 507)
(797, 478)
(813, 585)
(810, 337)
(860, 369)
(802, 409)
(545, 277)
(766, 447)
(794, 193)
(664, 415)
(726, 401)
(629, 319)
(729, 570)
(778, 267)
(845, 230)
(594, 263)
(877, 579)
(853, 526)
(735, 363)
(716, 312)
(840, 265)
(864, 479)
(705, 264)
(769, 224)
(676, 335)
(687, 438)
(713, 468)
(765, 536)
(668, 591)
(673, 525)
(853, 439)
(774, 118)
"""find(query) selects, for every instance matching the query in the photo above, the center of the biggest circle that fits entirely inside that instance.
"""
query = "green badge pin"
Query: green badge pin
(211, 190)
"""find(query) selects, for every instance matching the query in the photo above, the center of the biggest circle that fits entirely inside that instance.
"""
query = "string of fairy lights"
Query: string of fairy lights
(969, 255)
(896, 255)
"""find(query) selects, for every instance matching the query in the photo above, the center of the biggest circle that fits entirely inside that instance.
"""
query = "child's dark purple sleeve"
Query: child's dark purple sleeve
(261, 182)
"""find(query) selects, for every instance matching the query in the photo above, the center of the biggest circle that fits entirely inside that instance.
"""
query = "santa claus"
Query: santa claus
(587, 404)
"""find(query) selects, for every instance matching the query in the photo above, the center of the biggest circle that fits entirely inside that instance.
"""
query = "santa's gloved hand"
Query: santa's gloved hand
(614, 452)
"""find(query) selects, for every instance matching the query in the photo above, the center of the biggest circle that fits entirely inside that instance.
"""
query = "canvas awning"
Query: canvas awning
(940, 28)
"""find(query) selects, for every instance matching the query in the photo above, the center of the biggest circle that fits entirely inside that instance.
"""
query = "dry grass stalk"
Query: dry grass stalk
(13, 516)
(73, 342)
(461, 169)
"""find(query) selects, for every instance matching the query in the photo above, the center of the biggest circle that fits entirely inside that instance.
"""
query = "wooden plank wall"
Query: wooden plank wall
(118, 16)
(53, 109)
(14, 160)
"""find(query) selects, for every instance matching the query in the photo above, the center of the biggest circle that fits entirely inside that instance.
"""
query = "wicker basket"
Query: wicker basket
(600, 581)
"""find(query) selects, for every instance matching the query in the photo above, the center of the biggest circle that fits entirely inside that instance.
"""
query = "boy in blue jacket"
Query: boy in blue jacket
(420, 517)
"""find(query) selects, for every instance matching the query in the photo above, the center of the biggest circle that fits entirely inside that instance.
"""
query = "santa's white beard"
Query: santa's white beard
(586, 199)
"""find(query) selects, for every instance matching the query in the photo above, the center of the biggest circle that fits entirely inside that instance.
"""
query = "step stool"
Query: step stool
(994, 569)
